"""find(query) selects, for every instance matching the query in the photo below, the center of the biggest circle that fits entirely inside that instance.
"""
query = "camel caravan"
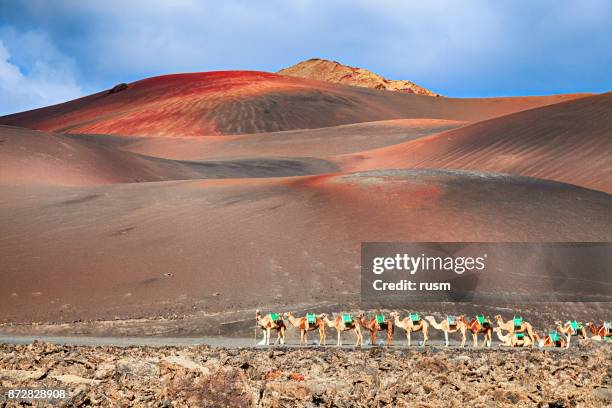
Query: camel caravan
(515, 332)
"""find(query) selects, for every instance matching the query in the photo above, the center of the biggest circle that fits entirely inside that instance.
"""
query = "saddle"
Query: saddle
(311, 318)
(347, 319)
(518, 322)
(452, 321)
(608, 327)
(554, 336)
(482, 320)
(415, 317)
(380, 319)
(276, 317)
(576, 326)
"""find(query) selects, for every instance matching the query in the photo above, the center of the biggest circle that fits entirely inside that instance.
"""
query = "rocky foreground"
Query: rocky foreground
(203, 376)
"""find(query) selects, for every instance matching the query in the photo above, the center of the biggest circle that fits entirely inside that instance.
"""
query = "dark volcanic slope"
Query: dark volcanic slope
(569, 142)
(235, 102)
(37, 158)
(146, 248)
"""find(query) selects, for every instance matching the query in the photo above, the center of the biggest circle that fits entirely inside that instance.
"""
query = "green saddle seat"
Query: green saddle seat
(311, 318)
(452, 320)
(554, 336)
(415, 317)
(380, 319)
(481, 319)
(347, 319)
(520, 336)
(518, 321)
(275, 317)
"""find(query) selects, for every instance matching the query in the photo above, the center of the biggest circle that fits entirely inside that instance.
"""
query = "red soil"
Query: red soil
(235, 102)
(568, 142)
(148, 248)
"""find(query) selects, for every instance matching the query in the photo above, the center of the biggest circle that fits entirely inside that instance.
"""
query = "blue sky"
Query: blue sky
(52, 51)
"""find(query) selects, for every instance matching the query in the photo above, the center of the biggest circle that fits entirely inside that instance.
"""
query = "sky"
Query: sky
(53, 51)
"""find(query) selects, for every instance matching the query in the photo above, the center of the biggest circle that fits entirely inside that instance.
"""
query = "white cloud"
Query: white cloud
(43, 77)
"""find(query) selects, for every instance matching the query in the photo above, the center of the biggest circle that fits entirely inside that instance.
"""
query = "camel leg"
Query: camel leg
(339, 342)
(306, 337)
(408, 337)
(322, 339)
(569, 336)
(446, 338)
(463, 338)
(475, 339)
(389, 334)
(267, 336)
(282, 336)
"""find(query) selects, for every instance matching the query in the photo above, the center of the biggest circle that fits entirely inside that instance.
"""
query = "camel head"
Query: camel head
(498, 318)
(323, 316)
(394, 314)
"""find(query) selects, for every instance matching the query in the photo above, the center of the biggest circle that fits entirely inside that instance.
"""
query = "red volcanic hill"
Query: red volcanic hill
(569, 142)
(236, 102)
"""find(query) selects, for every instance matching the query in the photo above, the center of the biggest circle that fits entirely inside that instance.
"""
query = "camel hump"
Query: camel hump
(452, 320)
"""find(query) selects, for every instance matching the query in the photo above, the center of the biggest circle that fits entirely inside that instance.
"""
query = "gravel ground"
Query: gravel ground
(206, 376)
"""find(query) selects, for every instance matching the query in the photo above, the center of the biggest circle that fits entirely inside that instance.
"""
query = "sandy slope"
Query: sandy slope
(569, 142)
(235, 102)
(145, 248)
(318, 143)
(37, 158)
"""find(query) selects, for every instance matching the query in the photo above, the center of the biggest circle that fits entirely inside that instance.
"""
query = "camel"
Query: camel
(344, 322)
(479, 325)
(599, 333)
(409, 325)
(268, 323)
(509, 327)
(446, 327)
(552, 339)
(513, 339)
(303, 324)
(570, 329)
(376, 324)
